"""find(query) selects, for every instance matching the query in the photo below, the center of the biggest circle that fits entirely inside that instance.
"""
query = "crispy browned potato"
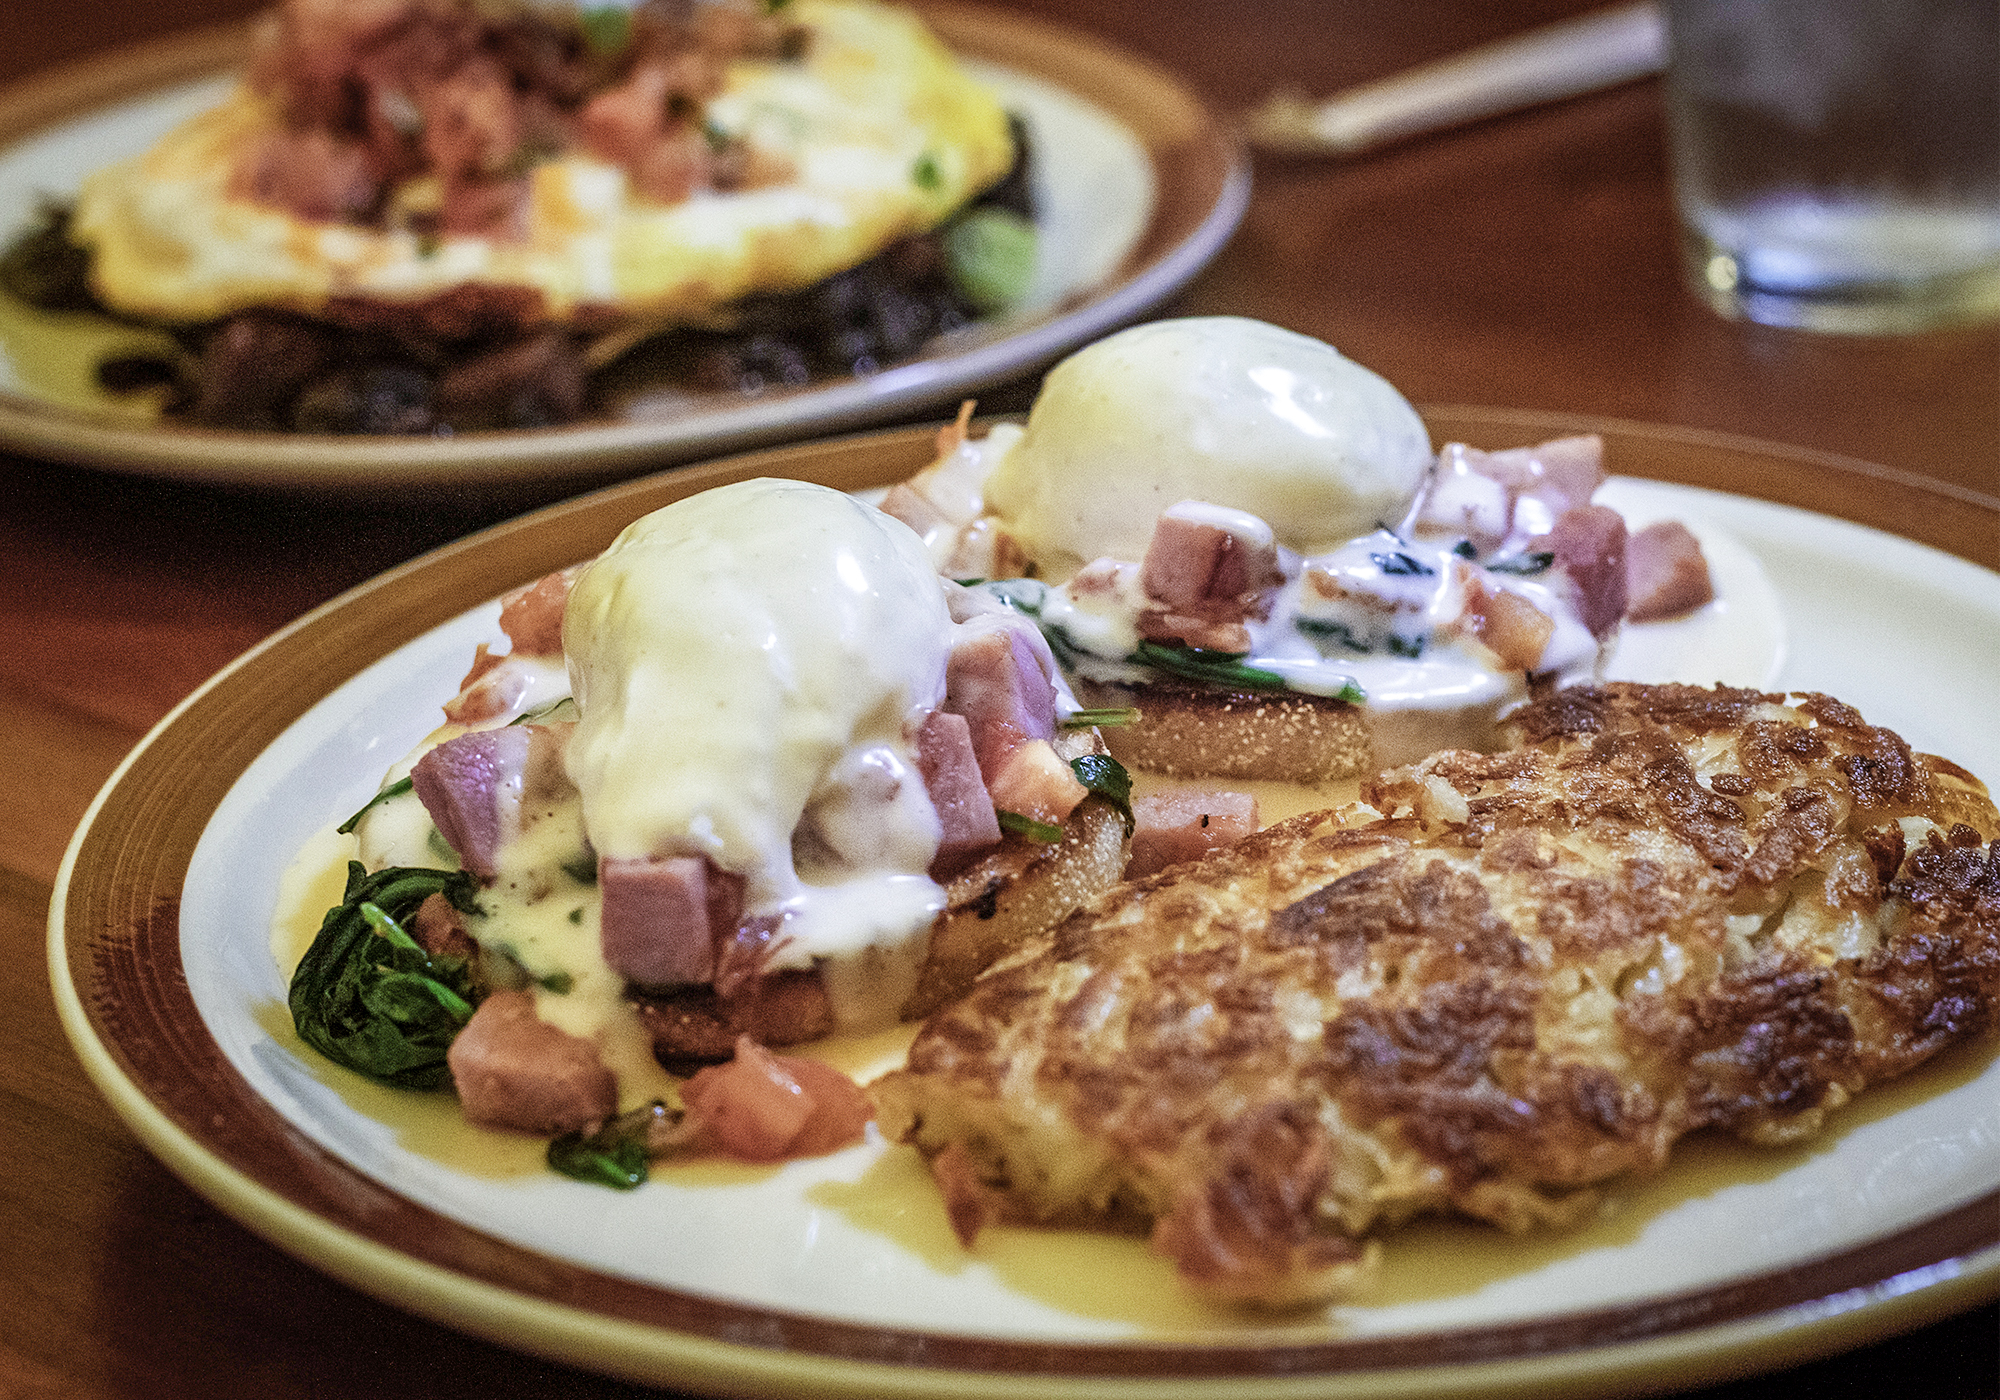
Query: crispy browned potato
(1507, 978)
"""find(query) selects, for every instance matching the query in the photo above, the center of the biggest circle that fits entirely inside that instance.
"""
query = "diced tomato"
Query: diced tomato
(761, 1107)
(532, 616)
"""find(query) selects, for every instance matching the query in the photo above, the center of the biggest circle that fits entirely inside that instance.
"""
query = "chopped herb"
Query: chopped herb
(559, 983)
(366, 995)
(1408, 647)
(581, 868)
(1523, 565)
(607, 30)
(991, 253)
(429, 245)
(576, 915)
(927, 173)
(1045, 833)
(45, 268)
(1327, 629)
(548, 714)
(1109, 718)
(1464, 550)
(395, 789)
(1106, 777)
(1402, 565)
(1209, 667)
(615, 1155)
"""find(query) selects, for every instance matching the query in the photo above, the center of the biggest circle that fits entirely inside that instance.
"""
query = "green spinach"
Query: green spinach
(366, 995)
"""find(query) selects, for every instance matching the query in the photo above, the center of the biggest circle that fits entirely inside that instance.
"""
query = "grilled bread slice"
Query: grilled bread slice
(1507, 978)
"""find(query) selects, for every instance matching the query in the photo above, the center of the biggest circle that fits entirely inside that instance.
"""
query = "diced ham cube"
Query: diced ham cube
(532, 616)
(950, 767)
(514, 1070)
(1666, 574)
(995, 679)
(312, 175)
(1035, 782)
(471, 786)
(915, 510)
(1210, 562)
(661, 916)
(1589, 545)
(1186, 824)
(440, 929)
(1536, 486)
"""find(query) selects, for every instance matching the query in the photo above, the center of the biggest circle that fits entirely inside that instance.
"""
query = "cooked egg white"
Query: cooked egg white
(887, 133)
(1217, 408)
(749, 665)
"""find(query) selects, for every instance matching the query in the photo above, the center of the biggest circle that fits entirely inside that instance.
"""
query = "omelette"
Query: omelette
(1496, 983)
(452, 173)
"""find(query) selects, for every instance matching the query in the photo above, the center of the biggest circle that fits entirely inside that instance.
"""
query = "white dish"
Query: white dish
(1733, 1255)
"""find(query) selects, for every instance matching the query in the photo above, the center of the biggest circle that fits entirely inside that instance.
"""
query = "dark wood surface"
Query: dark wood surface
(1525, 262)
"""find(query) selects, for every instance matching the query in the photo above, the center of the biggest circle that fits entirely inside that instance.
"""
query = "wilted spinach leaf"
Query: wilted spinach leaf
(366, 995)
(615, 1155)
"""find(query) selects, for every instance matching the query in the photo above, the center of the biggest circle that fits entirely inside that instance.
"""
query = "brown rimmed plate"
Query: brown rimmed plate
(1140, 187)
(837, 1277)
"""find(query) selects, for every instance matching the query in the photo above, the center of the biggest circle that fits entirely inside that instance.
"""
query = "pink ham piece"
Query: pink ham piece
(311, 174)
(1186, 824)
(1589, 545)
(950, 767)
(995, 679)
(1666, 574)
(514, 1070)
(662, 915)
(1210, 562)
(1494, 497)
(471, 786)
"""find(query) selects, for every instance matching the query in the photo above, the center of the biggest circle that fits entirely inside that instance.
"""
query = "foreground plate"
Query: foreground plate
(839, 1276)
(1139, 188)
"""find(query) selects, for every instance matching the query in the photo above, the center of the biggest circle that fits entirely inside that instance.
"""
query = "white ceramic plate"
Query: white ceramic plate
(1137, 187)
(839, 1275)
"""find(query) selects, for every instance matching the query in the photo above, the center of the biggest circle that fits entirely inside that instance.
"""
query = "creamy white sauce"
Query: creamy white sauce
(750, 666)
(1234, 419)
(1219, 409)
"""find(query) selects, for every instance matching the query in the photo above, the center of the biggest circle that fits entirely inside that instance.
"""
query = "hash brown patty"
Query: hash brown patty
(1503, 980)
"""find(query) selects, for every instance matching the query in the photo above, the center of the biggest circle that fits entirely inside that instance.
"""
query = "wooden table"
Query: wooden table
(1525, 262)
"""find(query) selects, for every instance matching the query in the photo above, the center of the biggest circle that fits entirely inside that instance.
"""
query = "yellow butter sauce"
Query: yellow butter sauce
(1108, 1277)
(53, 356)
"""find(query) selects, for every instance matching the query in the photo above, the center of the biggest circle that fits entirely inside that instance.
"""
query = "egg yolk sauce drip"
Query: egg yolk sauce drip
(754, 775)
(1247, 538)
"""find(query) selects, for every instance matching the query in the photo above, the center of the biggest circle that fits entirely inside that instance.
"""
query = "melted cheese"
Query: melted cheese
(876, 100)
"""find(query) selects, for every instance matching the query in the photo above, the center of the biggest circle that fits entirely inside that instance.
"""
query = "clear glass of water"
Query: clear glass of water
(1836, 163)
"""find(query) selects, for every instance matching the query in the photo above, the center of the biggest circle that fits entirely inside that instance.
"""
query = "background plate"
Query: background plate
(798, 1281)
(1140, 187)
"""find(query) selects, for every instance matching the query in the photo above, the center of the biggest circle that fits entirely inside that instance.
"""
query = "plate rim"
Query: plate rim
(1198, 160)
(1948, 1262)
